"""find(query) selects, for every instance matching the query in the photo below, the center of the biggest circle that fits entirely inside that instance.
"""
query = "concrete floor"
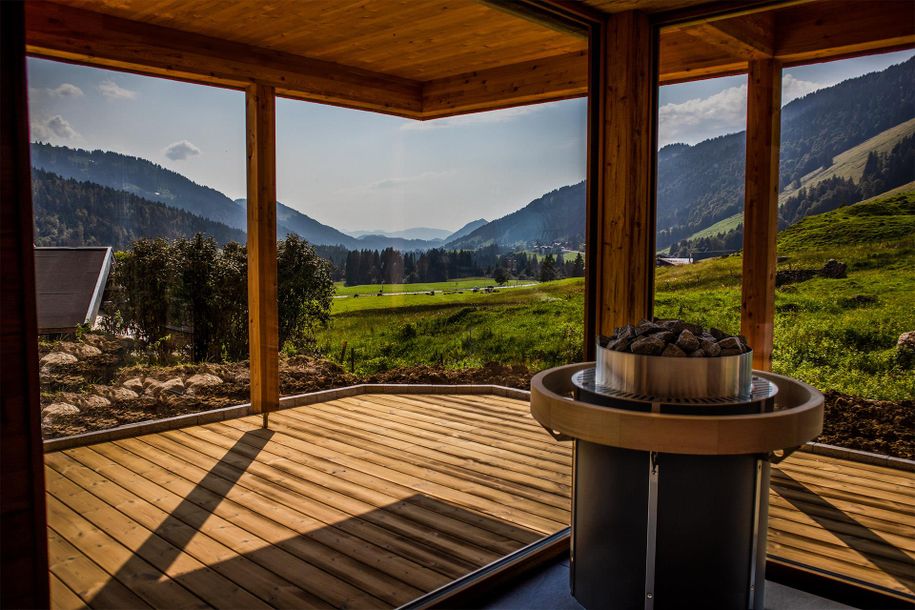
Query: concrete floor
(548, 589)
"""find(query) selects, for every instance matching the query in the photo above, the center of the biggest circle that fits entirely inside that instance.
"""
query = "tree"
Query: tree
(578, 267)
(548, 269)
(500, 275)
(304, 292)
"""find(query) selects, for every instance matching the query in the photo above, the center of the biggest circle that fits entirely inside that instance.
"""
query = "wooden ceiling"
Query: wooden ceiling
(432, 58)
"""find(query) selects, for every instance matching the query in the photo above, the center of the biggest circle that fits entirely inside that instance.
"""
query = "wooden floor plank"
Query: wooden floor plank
(497, 474)
(300, 458)
(371, 500)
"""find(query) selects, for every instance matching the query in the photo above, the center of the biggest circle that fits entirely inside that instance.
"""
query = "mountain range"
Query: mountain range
(825, 134)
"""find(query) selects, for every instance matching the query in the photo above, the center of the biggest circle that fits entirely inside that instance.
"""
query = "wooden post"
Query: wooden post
(23, 526)
(627, 143)
(760, 215)
(263, 324)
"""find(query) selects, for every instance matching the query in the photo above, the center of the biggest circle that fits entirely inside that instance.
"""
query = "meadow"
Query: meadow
(837, 334)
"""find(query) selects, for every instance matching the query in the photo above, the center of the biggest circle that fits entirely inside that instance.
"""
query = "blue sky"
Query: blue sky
(360, 170)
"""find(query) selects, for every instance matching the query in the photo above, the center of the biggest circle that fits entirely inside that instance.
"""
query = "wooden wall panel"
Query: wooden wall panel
(263, 328)
(23, 537)
(626, 224)
(760, 224)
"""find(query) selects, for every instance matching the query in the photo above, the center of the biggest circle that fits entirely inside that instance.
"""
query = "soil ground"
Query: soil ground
(98, 383)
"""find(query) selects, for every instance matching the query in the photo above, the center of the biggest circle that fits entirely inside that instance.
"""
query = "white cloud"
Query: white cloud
(114, 91)
(695, 120)
(65, 90)
(476, 118)
(392, 183)
(793, 88)
(55, 128)
(178, 151)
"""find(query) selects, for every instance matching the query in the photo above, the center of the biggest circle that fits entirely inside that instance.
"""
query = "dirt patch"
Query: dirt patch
(109, 387)
(879, 426)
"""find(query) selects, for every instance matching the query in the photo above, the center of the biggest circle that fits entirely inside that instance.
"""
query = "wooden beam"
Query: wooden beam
(842, 28)
(529, 82)
(749, 37)
(760, 216)
(626, 223)
(263, 323)
(23, 528)
(60, 32)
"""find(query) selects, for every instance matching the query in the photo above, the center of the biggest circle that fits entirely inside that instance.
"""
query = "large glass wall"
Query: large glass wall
(140, 256)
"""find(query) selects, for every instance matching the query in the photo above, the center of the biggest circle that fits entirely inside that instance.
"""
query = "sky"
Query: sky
(357, 170)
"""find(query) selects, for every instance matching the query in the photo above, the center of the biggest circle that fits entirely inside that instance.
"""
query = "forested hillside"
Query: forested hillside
(703, 184)
(557, 216)
(77, 213)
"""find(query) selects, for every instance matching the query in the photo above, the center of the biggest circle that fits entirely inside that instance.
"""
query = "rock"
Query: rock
(729, 343)
(731, 351)
(134, 384)
(699, 353)
(687, 341)
(906, 341)
(666, 336)
(152, 387)
(55, 359)
(709, 348)
(674, 326)
(121, 394)
(648, 328)
(80, 350)
(94, 401)
(718, 334)
(175, 386)
(672, 351)
(202, 380)
(58, 410)
(834, 269)
(693, 328)
(619, 345)
(648, 345)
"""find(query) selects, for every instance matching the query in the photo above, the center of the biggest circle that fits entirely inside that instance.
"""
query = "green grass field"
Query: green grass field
(836, 334)
(462, 284)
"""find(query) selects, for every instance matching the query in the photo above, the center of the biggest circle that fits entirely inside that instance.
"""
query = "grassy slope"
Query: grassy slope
(837, 334)
(849, 164)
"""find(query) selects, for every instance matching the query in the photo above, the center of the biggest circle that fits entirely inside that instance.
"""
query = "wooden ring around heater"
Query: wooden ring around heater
(797, 420)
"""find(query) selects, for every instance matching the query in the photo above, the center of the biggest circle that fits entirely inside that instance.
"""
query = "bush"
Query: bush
(159, 289)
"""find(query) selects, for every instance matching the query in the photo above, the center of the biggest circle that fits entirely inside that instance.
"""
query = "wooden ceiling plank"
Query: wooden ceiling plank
(750, 37)
(56, 31)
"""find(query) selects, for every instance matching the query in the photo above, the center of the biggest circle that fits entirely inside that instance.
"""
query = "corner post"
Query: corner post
(760, 221)
(263, 316)
(628, 141)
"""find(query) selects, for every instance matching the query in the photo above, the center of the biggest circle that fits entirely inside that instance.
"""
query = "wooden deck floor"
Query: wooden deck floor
(370, 501)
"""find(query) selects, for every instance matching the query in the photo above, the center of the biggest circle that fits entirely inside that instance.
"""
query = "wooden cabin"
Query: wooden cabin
(421, 59)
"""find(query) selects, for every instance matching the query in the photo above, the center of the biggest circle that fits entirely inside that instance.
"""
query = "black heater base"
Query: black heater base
(664, 531)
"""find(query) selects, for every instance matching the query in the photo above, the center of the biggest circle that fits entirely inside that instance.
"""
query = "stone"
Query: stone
(666, 336)
(94, 401)
(687, 341)
(134, 384)
(648, 328)
(699, 353)
(121, 394)
(729, 343)
(152, 387)
(619, 345)
(732, 351)
(906, 341)
(648, 345)
(202, 380)
(55, 359)
(834, 269)
(58, 410)
(674, 326)
(709, 348)
(718, 334)
(672, 351)
(175, 386)
(80, 350)
(693, 328)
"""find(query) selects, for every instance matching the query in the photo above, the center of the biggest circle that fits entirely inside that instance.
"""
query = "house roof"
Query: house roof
(431, 58)
(69, 284)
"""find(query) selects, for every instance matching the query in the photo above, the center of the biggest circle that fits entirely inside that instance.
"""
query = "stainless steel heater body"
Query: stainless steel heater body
(665, 515)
